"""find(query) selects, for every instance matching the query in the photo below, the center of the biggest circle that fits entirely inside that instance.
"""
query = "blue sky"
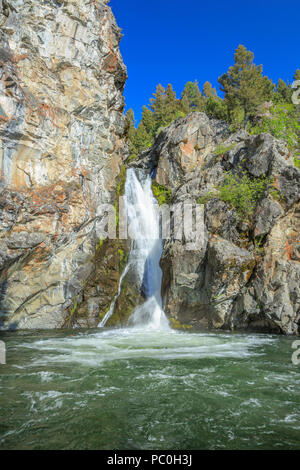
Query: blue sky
(175, 41)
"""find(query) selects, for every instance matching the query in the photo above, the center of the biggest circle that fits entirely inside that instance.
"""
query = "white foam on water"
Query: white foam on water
(136, 342)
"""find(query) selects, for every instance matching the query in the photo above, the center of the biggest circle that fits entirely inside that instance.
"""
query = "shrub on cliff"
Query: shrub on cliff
(242, 192)
(282, 122)
(161, 193)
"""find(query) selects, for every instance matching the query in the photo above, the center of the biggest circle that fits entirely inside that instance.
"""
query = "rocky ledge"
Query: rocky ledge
(246, 275)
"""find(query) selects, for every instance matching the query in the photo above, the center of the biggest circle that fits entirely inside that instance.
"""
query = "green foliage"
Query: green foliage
(282, 124)
(244, 85)
(222, 149)
(209, 91)
(142, 139)
(205, 198)
(72, 313)
(100, 243)
(236, 118)
(121, 179)
(275, 194)
(283, 92)
(297, 161)
(297, 75)
(171, 106)
(164, 109)
(122, 259)
(179, 326)
(157, 103)
(258, 244)
(191, 98)
(148, 119)
(74, 308)
(165, 106)
(216, 108)
(132, 157)
(242, 193)
(161, 193)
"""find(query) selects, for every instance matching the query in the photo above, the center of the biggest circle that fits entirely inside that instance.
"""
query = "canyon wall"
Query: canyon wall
(62, 152)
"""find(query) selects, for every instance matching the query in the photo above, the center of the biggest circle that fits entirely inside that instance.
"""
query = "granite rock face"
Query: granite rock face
(62, 151)
(246, 273)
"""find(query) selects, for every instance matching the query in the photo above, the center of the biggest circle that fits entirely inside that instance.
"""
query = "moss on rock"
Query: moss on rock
(127, 301)
(177, 325)
(161, 193)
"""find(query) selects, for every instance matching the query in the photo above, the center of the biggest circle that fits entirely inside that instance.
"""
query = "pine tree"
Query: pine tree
(171, 106)
(165, 106)
(157, 103)
(244, 85)
(283, 92)
(209, 91)
(142, 139)
(185, 104)
(297, 75)
(191, 98)
(215, 107)
(129, 130)
(148, 120)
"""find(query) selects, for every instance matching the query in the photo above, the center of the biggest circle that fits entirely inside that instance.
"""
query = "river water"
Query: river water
(137, 389)
(147, 386)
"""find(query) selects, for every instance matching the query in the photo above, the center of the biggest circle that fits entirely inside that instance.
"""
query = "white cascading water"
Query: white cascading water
(145, 254)
(112, 306)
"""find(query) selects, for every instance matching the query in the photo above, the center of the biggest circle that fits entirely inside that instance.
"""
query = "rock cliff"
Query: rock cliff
(62, 152)
(247, 273)
(62, 156)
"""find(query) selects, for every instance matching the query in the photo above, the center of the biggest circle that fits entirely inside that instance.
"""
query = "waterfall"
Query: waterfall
(112, 306)
(146, 251)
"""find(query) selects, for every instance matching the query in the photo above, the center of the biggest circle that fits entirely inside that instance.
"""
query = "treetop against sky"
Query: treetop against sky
(175, 42)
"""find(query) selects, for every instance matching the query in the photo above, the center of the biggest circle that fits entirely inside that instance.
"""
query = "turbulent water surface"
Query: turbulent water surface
(137, 389)
(148, 387)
